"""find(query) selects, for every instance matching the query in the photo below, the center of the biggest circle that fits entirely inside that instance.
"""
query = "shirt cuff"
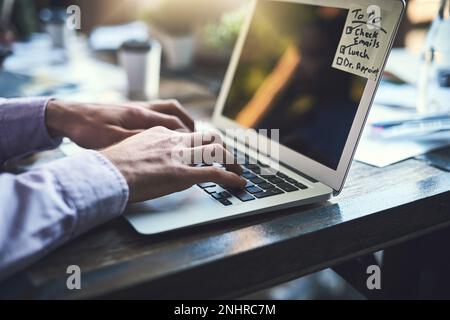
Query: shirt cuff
(23, 128)
(93, 186)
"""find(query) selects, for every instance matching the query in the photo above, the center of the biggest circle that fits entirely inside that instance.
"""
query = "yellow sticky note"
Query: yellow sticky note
(364, 41)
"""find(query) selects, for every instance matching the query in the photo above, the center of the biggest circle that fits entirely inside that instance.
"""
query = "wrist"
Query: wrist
(115, 157)
(57, 118)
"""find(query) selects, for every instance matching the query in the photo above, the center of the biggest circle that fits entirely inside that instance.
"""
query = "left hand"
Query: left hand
(97, 126)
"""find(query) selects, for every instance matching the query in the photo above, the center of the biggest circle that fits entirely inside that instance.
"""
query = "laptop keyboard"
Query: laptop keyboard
(260, 185)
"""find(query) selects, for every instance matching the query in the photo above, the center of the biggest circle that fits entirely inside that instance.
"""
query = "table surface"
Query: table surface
(377, 209)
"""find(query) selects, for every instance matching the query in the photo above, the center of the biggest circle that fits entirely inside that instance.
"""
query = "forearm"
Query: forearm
(42, 209)
(23, 128)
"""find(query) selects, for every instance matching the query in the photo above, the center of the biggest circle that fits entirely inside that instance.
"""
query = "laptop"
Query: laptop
(302, 78)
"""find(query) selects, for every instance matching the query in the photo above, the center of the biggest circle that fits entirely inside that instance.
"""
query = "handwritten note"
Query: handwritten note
(364, 41)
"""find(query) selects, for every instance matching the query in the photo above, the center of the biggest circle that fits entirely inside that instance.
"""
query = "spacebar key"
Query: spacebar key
(241, 195)
(268, 193)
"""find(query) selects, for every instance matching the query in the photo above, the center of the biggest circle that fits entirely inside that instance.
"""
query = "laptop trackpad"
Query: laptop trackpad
(182, 209)
(168, 203)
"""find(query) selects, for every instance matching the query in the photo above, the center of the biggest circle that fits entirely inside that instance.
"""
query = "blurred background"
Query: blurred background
(208, 27)
(196, 37)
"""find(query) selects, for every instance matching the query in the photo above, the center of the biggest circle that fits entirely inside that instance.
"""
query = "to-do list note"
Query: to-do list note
(364, 40)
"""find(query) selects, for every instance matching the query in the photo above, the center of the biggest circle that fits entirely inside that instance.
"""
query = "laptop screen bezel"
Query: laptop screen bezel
(332, 178)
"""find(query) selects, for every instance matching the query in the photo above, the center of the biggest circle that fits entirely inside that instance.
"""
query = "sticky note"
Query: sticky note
(364, 41)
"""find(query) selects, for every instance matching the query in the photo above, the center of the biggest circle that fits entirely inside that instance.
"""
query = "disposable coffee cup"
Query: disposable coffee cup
(57, 33)
(142, 64)
(55, 26)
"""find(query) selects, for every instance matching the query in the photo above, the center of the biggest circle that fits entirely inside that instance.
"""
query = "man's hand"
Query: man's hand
(152, 167)
(97, 126)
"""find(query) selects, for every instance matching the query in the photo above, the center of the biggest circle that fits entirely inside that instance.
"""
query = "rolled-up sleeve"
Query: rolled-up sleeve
(22, 127)
(43, 208)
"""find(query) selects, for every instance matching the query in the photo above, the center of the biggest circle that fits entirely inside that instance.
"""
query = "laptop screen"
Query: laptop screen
(285, 80)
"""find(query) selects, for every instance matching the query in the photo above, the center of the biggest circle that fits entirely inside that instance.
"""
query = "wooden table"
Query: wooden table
(379, 208)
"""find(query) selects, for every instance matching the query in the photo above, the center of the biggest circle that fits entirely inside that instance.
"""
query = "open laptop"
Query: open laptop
(310, 70)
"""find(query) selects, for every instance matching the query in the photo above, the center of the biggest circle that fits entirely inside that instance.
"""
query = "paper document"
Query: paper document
(380, 152)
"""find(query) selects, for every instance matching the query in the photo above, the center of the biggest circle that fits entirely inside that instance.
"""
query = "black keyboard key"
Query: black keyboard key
(242, 195)
(217, 196)
(282, 176)
(266, 186)
(210, 190)
(254, 189)
(249, 175)
(287, 187)
(300, 185)
(268, 173)
(268, 176)
(225, 202)
(290, 180)
(221, 195)
(257, 180)
(249, 184)
(275, 180)
(206, 185)
(253, 167)
(268, 193)
(215, 189)
(225, 195)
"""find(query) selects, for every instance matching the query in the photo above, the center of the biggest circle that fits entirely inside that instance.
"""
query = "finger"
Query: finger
(174, 108)
(198, 139)
(112, 135)
(217, 153)
(119, 134)
(210, 155)
(168, 121)
(216, 175)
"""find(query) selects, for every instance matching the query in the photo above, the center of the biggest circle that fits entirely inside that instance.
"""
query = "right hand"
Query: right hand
(147, 163)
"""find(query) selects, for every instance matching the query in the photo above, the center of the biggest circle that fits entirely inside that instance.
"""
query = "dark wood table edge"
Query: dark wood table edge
(128, 280)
